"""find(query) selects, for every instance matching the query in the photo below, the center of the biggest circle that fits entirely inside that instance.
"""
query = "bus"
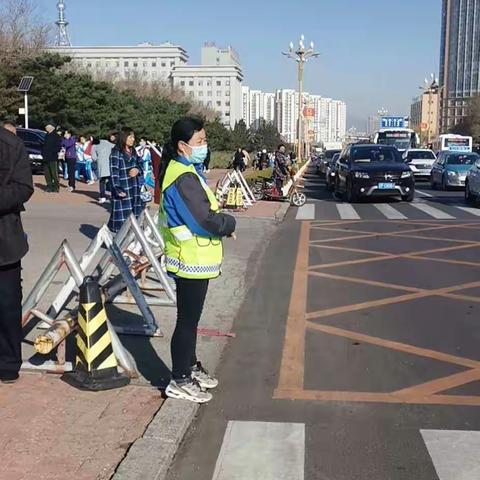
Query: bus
(452, 143)
(402, 138)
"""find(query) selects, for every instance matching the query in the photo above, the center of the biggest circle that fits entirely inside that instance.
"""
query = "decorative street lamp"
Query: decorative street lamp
(301, 55)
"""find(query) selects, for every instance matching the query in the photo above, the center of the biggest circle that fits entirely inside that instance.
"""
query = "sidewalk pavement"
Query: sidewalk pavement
(50, 430)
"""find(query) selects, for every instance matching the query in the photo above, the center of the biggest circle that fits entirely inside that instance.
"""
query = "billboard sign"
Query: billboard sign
(392, 122)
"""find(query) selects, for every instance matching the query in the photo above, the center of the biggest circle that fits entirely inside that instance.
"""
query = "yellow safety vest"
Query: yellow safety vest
(188, 255)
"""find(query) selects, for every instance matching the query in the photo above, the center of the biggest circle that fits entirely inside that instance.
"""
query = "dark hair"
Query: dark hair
(8, 123)
(122, 138)
(280, 146)
(182, 131)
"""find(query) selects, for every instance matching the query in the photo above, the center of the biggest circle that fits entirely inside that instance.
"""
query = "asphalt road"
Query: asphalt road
(356, 355)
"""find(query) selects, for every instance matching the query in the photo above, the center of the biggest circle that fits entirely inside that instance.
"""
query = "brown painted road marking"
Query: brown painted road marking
(355, 250)
(293, 359)
(292, 370)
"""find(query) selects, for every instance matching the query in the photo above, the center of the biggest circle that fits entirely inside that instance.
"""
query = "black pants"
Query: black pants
(103, 186)
(72, 170)
(190, 300)
(51, 176)
(10, 317)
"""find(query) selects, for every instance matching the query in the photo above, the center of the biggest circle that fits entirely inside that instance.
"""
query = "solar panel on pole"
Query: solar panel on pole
(25, 84)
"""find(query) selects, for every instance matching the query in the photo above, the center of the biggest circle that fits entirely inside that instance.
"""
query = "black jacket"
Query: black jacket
(16, 187)
(51, 147)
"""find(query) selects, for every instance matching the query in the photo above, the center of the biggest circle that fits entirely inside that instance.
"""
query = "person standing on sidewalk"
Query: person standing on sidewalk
(16, 187)
(50, 150)
(126, 177)
(69, 145)
(193, 227)
(101, 154)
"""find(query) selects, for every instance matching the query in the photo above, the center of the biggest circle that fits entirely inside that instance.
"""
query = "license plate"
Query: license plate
(386, 186)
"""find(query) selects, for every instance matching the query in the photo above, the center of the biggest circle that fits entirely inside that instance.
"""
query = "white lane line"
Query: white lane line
(473, 211)
(433, 212)
(263, 451)
(347, 212)
(390, 212)
(425, 194)
(454, 453)
(307, 212)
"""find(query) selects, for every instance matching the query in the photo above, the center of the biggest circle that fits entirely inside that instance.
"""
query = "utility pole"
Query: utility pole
(62, 40)
(301, 55)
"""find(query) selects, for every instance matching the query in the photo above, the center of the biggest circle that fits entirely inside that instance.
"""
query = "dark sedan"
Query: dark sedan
(365, 171)
(33, 140)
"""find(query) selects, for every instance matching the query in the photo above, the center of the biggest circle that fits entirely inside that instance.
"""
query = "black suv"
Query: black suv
(34, 140)
(372, 170)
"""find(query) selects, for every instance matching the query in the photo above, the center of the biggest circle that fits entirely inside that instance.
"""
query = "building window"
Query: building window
(209, 104)
(227, 114)
(219, 104)
(219, 93)
(190, 83)
(182, 83)
(200, 94)
(144, 64)
(154, 64)
(209, 83)
(125, 64)
(227, 93)
(227, 83)
(227, 104)
(219, 83)
(192, 94)
(172, 63)
(164, 64)
(135, 64)
(118, 64)
(209, 93)
(200, 83)
(89, 64)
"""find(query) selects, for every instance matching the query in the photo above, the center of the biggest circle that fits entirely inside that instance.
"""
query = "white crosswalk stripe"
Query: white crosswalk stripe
(307, 212)
(347, 212)
(471, 210)
(262, 450)
(432, 211)
(424, 194)
(389, 212)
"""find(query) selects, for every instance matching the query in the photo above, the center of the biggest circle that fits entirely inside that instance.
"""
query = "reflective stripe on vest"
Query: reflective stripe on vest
(188, 255)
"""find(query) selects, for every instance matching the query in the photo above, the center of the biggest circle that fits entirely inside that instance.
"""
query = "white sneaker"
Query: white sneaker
(204, 379)
(191, 391)
(90, 182)
(102, 200)
(70, 189)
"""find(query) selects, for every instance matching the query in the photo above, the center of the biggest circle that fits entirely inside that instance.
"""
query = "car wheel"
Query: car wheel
(409, 197)
(350, 194)
(469, 196)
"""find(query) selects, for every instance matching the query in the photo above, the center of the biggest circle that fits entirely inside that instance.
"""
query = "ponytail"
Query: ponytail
(168, 154)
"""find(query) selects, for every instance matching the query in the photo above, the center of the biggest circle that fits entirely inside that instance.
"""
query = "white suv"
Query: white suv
(420, 162)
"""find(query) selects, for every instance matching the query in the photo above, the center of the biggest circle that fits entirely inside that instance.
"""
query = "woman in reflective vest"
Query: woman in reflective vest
(193, 228)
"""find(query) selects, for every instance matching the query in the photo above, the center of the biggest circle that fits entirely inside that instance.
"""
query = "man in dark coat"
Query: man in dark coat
(50, 151)
(16, 187)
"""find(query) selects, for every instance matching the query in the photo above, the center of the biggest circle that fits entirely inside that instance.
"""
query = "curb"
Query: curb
(151, 456)
(282, 212)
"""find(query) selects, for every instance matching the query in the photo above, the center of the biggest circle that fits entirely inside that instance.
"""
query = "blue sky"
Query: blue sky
(374, 53)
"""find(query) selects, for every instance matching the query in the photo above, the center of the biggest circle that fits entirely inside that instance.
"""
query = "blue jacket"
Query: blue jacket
(186, 203)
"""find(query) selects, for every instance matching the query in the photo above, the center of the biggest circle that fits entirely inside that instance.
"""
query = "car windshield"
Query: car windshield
(419, 155)
(375, 155)
(462, 159)
(330, 153)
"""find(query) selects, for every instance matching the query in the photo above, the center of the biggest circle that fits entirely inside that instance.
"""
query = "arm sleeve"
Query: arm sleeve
(18, 188)
(94, 153)
(197, 214)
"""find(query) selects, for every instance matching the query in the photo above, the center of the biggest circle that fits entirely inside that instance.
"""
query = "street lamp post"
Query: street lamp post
(301, 55)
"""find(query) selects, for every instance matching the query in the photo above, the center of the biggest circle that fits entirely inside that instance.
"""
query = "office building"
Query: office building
(216, 85)
(459, 59)
(424, 115)
(146, 62)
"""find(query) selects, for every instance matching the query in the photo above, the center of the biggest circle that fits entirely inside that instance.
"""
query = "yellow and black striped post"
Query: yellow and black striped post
(96, 364)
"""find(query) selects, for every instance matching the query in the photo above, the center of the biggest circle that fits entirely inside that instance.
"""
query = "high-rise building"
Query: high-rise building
(424, 114)
(257, 106)
(146, 62)
(459, 59)
(216, 84)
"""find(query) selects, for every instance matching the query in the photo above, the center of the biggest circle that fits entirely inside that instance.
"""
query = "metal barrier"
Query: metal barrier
(236, 177)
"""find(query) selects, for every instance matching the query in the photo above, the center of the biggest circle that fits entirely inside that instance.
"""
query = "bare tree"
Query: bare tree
(22, 32)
